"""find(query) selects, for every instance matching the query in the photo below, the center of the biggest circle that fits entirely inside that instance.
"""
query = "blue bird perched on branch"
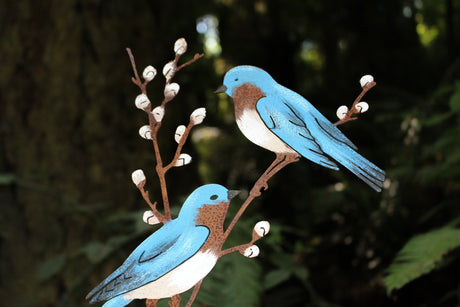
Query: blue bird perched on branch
(282, 121)
(176, 257)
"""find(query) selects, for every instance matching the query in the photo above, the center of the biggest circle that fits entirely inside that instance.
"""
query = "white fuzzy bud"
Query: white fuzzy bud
(138, 177)
(158, 113)
(251, 251)
(183, 159)
(179, 133)
(362, 106)
(180, 46)
(365, 80)
(142, 101)
(171, 90)
(150, 218)
(262, 228)
(342, 112)
(168, 70)
(145, 132)
(149, 73)
(198, 116)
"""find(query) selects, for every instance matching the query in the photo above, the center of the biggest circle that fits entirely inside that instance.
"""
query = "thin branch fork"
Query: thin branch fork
(196, 57)
(350, 115)
(176, 69)
(281, 161)
(155, 127)
(179, 147)
(136, 80)
(241, 248)
(158, 215)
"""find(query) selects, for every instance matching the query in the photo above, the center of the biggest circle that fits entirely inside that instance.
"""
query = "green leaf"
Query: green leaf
(6, 179)
(454, 101)
(276, 277)
(437, 119)
(50, 267)
(234, 281)
(302, 273)
(420, 255)
(96, 251)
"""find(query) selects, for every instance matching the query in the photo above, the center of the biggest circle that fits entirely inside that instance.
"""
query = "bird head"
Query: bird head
(209, 199)
(239, 75)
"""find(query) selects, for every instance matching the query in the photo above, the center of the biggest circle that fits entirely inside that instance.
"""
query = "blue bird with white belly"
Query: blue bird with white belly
(176, 257)
(282, 121)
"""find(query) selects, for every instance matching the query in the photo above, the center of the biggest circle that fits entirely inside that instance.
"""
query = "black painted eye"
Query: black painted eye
(236, 79)
(213, 197)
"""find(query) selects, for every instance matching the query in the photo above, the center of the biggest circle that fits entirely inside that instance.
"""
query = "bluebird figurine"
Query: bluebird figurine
(177, 256)
(282, 121)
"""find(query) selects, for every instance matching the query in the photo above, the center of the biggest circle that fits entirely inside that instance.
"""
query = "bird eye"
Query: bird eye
(213, 197)
(236, 79)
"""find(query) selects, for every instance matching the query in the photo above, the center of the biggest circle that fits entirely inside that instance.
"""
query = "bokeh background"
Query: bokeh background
(69, 142)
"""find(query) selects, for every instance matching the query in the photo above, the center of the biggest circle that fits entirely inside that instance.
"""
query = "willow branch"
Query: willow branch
(136, 80)
(281, 161)
(350, 115)
(158, 215)
(175, 70)
(179, 147)
(155, 127)
(238, 215)
(196, 57)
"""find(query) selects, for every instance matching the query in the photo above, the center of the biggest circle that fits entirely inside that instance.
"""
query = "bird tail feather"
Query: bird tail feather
(361, 167)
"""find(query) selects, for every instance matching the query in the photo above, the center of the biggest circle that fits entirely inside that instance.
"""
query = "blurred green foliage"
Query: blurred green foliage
(421, 255)
(69, 142)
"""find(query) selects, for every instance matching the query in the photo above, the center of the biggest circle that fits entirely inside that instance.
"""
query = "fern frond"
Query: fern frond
(420, 255)
(235, 281)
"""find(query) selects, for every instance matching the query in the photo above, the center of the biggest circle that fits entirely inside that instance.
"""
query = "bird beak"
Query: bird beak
(221, 89)
(232, 194)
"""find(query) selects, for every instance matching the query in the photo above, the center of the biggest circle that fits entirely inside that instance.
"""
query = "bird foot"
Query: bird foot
(151, 303)
(175, 301)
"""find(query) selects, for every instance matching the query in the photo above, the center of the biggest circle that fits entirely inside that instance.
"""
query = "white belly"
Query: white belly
(257, 132)
(179, 280)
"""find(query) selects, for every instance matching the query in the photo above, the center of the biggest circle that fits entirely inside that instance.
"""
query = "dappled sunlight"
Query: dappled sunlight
(411, 126)
(426, 33)
(311, 55)
(207, 27)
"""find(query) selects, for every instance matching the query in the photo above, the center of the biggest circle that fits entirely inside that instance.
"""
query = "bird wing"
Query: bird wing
(311, 116)
(293, 128)
(294, 120)
(160, 253)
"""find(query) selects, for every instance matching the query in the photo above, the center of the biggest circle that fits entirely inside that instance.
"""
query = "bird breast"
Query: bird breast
(248, 119)
(178, 280)
(255, 130)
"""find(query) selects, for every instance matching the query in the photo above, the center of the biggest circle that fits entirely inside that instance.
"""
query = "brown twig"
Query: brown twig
(155, 127)
(192, 298)
(261, 184)
(136, 80)
(151, 302)
(350, 115)
(145, 194)
(196, 57)
(241, 248)
(175, 301)
(176, 69)
(179, 147)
